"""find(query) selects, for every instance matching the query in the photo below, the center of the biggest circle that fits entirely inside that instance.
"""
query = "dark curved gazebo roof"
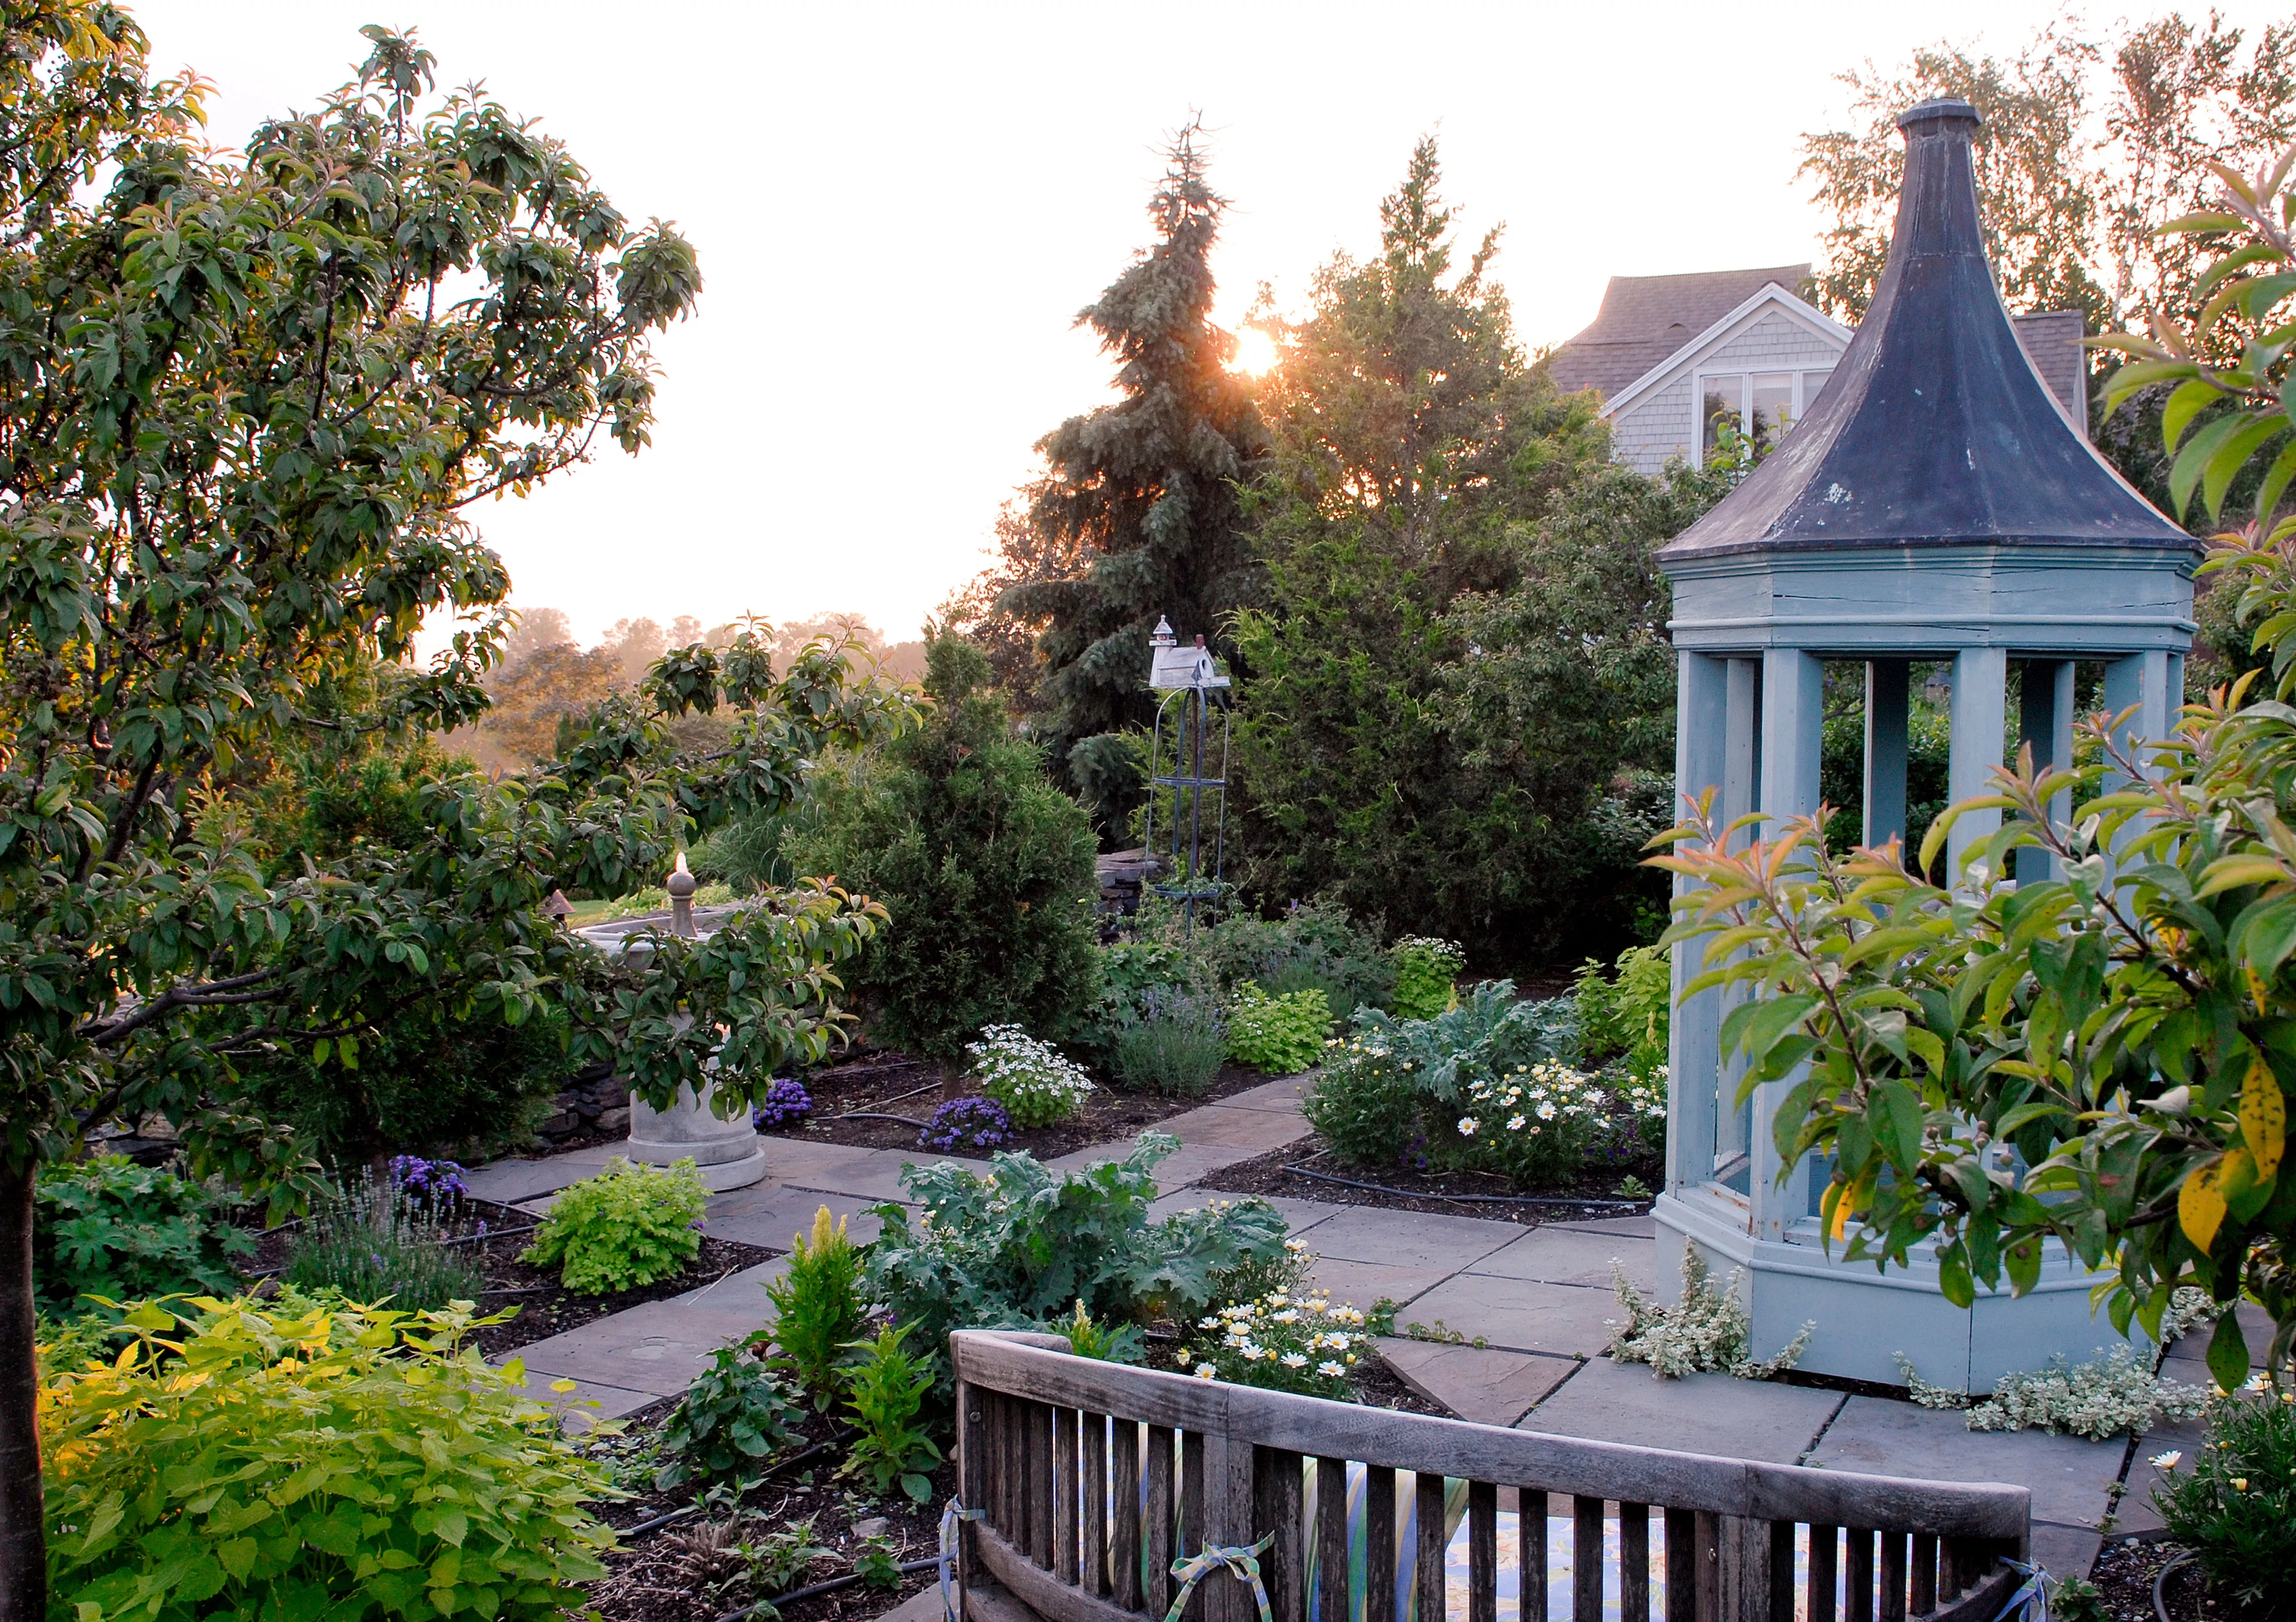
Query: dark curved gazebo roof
(1935, 429)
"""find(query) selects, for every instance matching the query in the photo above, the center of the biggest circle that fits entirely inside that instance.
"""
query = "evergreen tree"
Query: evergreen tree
(984, 867)
(1414, 445)
(1146, 492)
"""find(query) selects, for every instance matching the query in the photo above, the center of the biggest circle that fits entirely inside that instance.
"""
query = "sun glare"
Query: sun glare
(1255, 353)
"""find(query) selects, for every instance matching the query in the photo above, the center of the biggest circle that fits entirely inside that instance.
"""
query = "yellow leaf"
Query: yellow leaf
(2263, 1117)
(2200, 1204)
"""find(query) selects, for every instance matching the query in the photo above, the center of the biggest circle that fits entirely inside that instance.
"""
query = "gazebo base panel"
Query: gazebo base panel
(1865, 1320)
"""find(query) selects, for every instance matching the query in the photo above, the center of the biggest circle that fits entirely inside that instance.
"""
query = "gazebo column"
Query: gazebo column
(2141, 680)
(1702, 738)
(1793, 718)
(1888, 704)
(1980, 715)
(2045, 724)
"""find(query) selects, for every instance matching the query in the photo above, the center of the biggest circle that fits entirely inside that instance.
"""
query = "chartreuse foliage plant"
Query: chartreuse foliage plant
(239, 1462)
(106, 1226)
(628, 1226)
(1425, 968)
(1282, 1035)
(1020, 1245)
(2235, 1499)
(2126, 1025)
(328, 339)
(1624, 1016)
(889, 1387)
(817, 1308)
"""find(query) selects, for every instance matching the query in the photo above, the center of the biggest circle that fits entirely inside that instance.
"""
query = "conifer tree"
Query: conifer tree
(1146, 491)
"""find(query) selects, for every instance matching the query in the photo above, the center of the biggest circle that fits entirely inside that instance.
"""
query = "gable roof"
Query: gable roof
(1645, 318)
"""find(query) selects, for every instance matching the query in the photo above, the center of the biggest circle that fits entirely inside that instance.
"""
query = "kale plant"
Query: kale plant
(1023, 1245)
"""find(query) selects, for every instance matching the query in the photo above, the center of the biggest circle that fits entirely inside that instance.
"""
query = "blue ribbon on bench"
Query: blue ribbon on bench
(1241, 1561)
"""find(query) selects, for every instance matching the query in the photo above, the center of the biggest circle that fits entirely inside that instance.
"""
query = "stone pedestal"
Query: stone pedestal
(729, 1154)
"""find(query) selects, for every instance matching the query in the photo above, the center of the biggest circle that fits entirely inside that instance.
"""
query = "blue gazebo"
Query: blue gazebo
(1935, 504)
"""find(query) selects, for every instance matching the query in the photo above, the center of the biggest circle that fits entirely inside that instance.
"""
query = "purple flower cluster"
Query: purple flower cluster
(966, 1124)
(785, 1101)
(434, 1182)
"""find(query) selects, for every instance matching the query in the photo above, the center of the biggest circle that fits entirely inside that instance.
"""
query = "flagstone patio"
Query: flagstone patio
(1531, 1308)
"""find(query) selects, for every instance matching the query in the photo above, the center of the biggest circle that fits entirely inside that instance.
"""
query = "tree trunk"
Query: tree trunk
(23, 1541)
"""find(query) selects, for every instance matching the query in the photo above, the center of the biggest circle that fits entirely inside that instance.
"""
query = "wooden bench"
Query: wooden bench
(1042, 1433)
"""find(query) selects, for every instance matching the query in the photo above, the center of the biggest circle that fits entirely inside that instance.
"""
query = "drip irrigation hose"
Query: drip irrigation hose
(768, 1474)
(898, 1097)
(1470, 1199)
(873, 1114)
(831, 1587)
(2160, 1582)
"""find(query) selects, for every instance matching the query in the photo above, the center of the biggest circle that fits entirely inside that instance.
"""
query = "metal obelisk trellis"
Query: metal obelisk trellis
(1192, 690)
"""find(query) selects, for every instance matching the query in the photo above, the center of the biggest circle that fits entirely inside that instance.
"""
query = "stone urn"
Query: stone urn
(728, 1153)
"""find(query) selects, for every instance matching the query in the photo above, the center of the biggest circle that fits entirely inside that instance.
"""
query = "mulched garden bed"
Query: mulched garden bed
(545, 1306)
(1442, 1193)
(666, 1574)
(880, 1081)
(2124, 1573)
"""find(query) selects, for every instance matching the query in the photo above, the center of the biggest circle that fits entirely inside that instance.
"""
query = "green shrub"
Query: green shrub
(1021, 1246)
(817, 1309)
(1131, 972)
(1313, 946)
(1366, 1107)
(2237, 1505)
(349, 1463)
(889, 1387)
(1173, 1042)
(986, 868)
(1425, 969)
(628, 1226)
(371, 1242)
(427, 1080)
(1029, 1078)
(728, 1422)
(1282, 1035)
(1628, 1016)
(111, 1228)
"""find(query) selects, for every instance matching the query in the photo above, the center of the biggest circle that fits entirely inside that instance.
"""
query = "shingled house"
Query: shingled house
(1673, 357)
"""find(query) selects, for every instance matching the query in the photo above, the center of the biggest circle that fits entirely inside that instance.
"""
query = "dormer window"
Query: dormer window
(1762, 405)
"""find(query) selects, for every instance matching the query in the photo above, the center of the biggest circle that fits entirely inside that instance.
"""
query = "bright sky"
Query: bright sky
(899, 208)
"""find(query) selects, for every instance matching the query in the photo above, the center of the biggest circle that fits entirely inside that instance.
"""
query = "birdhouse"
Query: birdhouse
(1934, 507)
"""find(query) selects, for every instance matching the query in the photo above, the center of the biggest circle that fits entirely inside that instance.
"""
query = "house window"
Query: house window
(1771, 402)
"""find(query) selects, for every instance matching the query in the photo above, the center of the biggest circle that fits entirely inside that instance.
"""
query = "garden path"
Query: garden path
(1539, 1300)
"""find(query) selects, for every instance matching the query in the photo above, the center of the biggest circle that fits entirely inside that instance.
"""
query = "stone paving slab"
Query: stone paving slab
(1644, 1227)
(1700, 1414)
(2070, 1478)
(1439, 1245)
(589, 1402)
(769, 1214)
(511, 1182)
(1366, 1283)
(1488, 1388)
(1301, 1215)
(1565, 1320)
(1566, 1255)
(1220, 1125)
(1286, 1093)
(657, 1348)
(2191, 1351)
(2065, 1551)
(2138, 1513)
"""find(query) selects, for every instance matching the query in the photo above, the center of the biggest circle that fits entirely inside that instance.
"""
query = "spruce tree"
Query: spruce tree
(1145, 492)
